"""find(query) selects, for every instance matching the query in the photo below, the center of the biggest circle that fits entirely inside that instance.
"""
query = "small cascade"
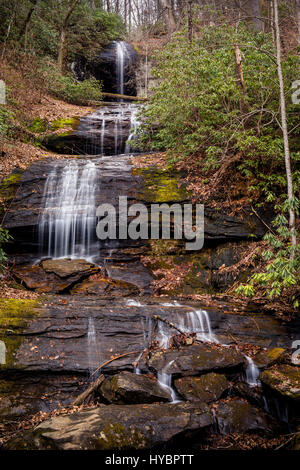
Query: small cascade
(197, 321)
(252, 373)
(133, 303)
(68, 221)
(134, 124)
(165, 381)
(92, 347)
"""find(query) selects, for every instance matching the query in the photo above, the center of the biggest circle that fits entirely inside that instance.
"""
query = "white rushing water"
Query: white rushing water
(252, 373)
(68, 221)
(121, 56)
(134, 124)
(165, 381)
(92, 347)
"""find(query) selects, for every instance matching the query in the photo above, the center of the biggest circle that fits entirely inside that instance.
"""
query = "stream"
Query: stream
(98, 303)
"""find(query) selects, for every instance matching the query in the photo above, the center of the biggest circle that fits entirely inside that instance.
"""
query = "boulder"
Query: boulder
(268, 358)
(195, 360)
(68, 267)
(207, 388)
(130, 388)
(117, 427)
(283, 379)
(238, 416)
(54, 276)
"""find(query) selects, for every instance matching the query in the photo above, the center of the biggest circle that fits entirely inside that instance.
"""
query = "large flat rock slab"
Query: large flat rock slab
(117, 427)
(283, 379)
(195, 360)
(129, 388)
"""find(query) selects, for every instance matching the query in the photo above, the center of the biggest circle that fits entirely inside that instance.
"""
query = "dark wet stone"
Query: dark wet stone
(238, 416)
(207, 388)
(283, 379)
(195, 360)
(269, 358)
(117, 427)
(253, 394)
(129, 388)
(134, 273)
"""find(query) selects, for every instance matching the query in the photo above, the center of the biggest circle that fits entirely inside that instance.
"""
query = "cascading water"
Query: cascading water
(92, 347)
(165, 381)
(134, 124)
(121, 57)
(68, 221)
(252, 373)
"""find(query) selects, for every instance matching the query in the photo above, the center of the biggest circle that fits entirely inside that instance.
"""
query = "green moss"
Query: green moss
(9, 185)
(38, 125)
(14, 316)
(8, 189)
(116, 436)
(65, 122)
(161, 185)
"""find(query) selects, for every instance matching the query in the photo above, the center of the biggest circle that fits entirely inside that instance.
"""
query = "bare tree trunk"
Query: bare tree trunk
(289, 177)
(8, 32)
(240, 77)
(170, 15)
(298, 18)
(62, 35)
(190, 20)
(256, 12)
(27, 20)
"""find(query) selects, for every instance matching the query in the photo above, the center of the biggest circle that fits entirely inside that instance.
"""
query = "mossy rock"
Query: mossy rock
(161, 185)
(207, 388)
(14, 316)
(61, 123)
(38, 125)
(283, 379)
(270, 357)
(117, 427)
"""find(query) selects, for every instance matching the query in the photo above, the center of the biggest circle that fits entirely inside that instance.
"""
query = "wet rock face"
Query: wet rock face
(116, 427)
(196, 360)
(129, 388)
(207, 388)
(104, 69)
(238, 416)
(284, 380)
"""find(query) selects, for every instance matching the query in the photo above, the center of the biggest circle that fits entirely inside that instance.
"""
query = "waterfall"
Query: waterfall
(252, 373)
(134, 124)
(67, 226)
(93, 352)
(121, 56)
(165, 381)
(197, 321)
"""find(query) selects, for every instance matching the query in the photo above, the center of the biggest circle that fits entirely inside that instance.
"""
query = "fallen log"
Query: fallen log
(80, 399)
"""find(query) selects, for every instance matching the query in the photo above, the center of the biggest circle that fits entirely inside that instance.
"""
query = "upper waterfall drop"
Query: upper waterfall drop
(121, 56)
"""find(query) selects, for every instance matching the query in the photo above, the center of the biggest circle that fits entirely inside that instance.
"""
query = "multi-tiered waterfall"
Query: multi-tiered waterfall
(67, 226)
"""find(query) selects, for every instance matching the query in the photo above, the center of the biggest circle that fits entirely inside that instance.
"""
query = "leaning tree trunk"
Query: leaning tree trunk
(170, 15)
(62, 35)
(27, 20)
(289, 177)
(256, 13)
